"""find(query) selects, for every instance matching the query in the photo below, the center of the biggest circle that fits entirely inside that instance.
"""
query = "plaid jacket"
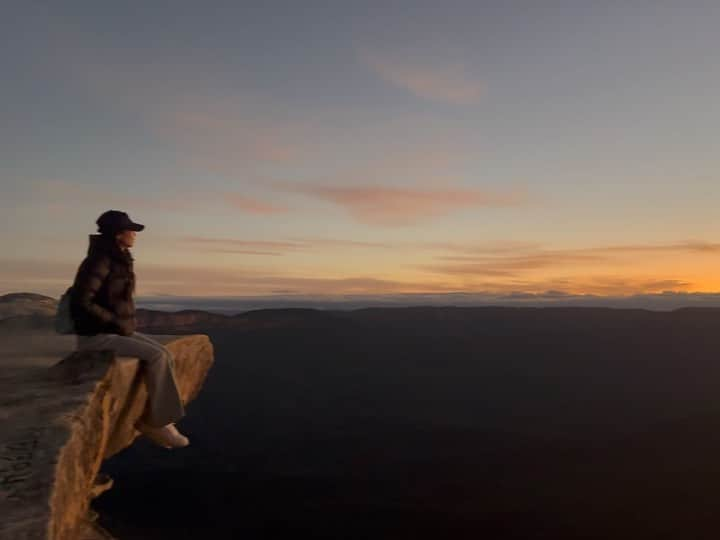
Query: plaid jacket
(102, 296)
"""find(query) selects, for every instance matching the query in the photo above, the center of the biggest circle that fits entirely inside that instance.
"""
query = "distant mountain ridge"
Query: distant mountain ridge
(29, 311)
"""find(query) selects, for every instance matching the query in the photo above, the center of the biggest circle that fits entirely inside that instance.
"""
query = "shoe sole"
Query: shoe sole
(161, 442)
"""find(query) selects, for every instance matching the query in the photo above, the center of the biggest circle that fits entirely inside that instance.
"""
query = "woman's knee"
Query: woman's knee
(162, 355)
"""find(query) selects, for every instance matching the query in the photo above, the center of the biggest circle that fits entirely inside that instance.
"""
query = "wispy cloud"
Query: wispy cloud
(269, 247)
(449, 82)
(394, 206)
(344, 243)
(42, 276)
(51, 277)
(496, 247)
(480, 253)
(295, 243)
(218, 281)
(230, 135)
(514, 267)
(604, 285)
(238, 246)
(499, 258)
(58, 196)
(252, 205)
(523, 267)
(513, 277)
(507, 265)
(690, 246)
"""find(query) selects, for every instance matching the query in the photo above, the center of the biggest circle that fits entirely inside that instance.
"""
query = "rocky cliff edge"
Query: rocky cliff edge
(62, 413)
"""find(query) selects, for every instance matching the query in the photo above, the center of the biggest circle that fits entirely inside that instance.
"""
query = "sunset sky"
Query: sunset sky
(365, 147)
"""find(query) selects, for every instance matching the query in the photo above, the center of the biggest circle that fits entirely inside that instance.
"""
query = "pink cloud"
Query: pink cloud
(479, 253)
(377, 205)
(342, 243)
(507, 265)
(449, 82)
(499, 247)
(244, 281)
(251, 205)
(692, 246)
(225, 136)
(246, 247)
(514, 259)
(269, 247)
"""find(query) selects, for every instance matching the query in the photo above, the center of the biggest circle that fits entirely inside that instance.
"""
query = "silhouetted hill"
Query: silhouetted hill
(449, 319)
(24, 303)
(24, 297)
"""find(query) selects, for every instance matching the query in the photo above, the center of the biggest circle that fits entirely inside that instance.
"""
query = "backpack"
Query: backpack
(64, 323)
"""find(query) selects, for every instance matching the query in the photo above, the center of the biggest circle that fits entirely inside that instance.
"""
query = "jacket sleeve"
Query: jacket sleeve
(92, 273)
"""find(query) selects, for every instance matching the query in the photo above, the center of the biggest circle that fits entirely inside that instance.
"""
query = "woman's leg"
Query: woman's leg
(148, 339)
(164, 405)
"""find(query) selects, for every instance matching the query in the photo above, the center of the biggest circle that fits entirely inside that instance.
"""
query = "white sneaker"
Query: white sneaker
(167, 436)
(179, 437)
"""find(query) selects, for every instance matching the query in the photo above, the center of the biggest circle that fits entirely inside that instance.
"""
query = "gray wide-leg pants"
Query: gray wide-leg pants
(164, 405)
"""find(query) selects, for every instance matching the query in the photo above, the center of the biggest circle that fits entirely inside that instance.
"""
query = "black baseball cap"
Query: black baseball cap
(114, 221)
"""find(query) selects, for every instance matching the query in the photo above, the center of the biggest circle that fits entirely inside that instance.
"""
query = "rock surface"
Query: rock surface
(61, 414)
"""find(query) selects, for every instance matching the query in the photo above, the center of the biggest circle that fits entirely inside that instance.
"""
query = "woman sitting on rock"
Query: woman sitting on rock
(103, 311)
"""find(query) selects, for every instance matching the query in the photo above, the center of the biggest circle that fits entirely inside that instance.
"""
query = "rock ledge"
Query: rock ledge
(58, 424)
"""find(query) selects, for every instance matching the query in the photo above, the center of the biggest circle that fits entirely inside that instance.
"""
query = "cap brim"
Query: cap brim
(136, 227)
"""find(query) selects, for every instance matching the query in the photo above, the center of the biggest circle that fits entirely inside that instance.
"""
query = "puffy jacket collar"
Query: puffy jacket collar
(99, 243)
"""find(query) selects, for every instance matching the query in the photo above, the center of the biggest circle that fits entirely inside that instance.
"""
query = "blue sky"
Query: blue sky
(374, 147)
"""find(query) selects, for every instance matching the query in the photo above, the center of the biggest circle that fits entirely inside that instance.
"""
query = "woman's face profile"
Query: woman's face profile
(126, 238)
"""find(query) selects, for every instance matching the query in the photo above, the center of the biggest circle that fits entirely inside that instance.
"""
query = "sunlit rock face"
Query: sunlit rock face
(62, 413)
